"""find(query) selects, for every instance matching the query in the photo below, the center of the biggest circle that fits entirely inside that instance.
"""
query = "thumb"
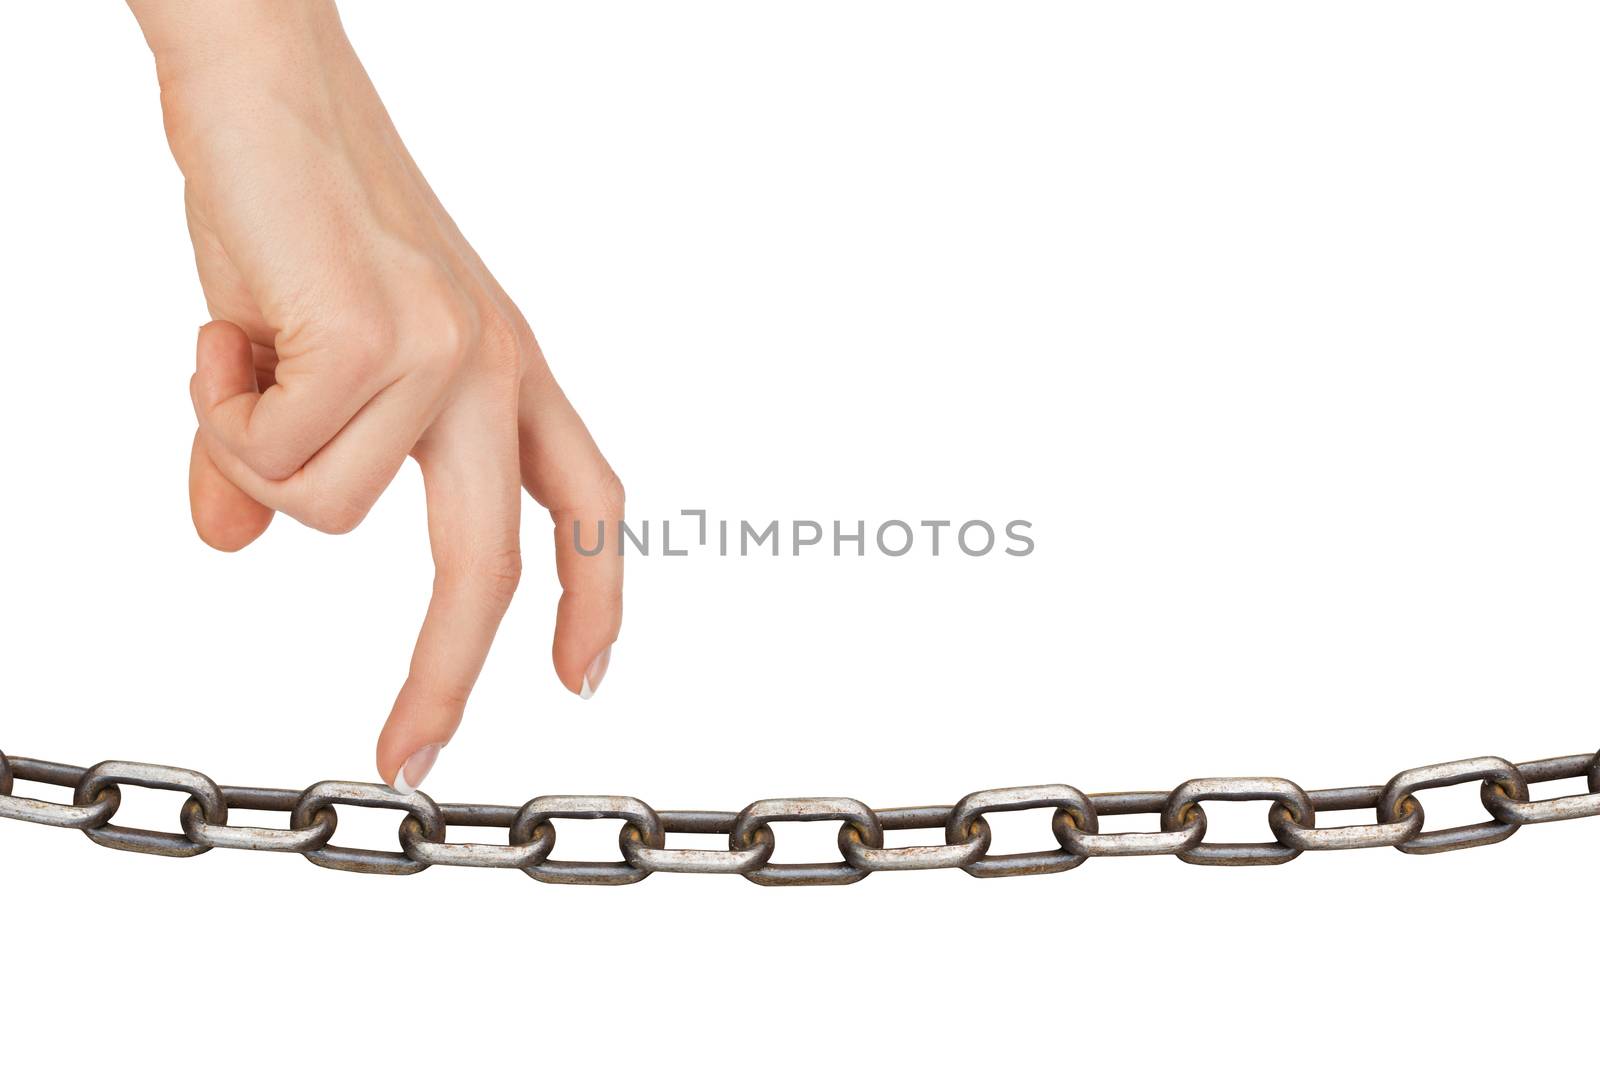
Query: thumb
(225, 517)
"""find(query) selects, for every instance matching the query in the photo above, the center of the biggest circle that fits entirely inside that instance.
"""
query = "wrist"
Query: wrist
(244, 41)
(266, 67)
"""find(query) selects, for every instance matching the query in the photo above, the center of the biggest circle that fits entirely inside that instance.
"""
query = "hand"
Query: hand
(354, 327)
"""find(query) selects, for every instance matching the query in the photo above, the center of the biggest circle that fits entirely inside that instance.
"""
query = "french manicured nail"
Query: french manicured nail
(596, 673)
(415, 769)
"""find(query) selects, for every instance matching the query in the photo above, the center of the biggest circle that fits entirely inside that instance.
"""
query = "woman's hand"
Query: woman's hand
(354, 327)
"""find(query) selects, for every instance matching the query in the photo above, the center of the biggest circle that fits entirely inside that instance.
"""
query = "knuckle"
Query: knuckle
(442, 326)
(273, 457)
(494, 576)
(449, 696)
(505, 342)
(610, 494)
(335, 513)
(422, 323)
(274, 463)
(502, 574)
(450, 332)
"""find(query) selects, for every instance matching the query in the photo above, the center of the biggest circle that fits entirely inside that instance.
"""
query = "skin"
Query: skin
(353, 326)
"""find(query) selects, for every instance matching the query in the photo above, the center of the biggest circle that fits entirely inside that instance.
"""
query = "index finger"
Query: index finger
(470, 477)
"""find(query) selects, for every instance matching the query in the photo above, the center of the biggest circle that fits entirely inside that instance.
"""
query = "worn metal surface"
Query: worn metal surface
(1185, 800)
(1487, 769)
(207, 814)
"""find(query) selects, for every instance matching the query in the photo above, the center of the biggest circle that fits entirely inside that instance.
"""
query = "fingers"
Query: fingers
(336, 488)
(225, 517)
(564, 471)
(274, 432)
(469, 468)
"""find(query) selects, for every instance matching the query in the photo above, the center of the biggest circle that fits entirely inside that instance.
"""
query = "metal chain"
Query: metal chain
(531, 831)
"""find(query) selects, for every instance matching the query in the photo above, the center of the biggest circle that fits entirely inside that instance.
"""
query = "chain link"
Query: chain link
(1185, 800)
(642, 842)
(1397, 795)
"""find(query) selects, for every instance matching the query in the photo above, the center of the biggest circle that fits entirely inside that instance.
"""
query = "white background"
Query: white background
(1278, 321)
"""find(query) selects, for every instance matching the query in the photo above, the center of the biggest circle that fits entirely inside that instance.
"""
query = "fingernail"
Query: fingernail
(415, 769)
(596, 673)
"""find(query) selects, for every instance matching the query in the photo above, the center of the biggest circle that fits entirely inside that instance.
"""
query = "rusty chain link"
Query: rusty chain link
(531, 831)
